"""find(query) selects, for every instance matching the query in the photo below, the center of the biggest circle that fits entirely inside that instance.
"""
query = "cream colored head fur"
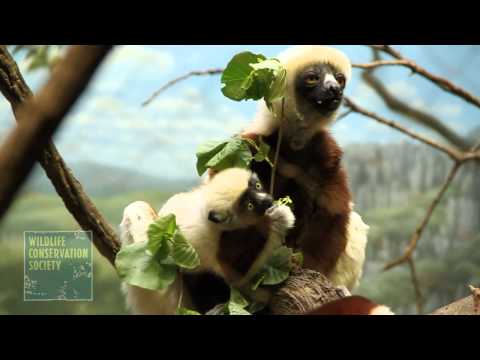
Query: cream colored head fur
(300, 56)
(225, 188)
(295, 59)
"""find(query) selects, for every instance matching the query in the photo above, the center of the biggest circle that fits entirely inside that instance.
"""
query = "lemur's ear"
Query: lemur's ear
(216, 217)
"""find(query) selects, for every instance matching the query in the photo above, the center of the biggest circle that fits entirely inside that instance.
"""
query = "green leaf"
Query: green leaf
(257, 281)
(263, 151)
(184, 311)
(260, 85)
(205, 152)
(277, 269)
(39, 58)
(235, 309)
(159, 234)
(139, 267)
(235, 153)
(284, 201)
(237, 303)
(237, 298)
(297, 258)
(183, 253)
(277, 88)
(238, 75)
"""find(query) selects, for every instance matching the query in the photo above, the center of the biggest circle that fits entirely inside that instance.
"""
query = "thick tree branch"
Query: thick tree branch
(14, 88)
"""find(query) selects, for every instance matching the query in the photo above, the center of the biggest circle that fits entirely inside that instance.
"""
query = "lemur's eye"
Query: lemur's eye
(312, 79)
(340, 79)
(250, 206)
(258, 186)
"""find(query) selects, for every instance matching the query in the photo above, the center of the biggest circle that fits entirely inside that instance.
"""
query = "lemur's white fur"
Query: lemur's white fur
(349, 268)
(382, 310)
(191, 211)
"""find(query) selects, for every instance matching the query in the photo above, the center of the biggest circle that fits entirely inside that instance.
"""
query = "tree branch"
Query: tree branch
(441, 82)
(416, 286)
(452, 153)
(14, 88)
(181, 78)
(418, 116)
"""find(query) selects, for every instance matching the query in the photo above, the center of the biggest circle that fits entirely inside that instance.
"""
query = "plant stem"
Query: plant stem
(277, 150)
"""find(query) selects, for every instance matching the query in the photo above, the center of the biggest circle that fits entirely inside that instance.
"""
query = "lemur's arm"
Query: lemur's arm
(281, 219)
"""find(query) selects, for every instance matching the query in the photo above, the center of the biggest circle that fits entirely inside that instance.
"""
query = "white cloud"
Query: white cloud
(402, 89)
(141, 56)
(419, 104)
(365, 96)
(452, 110)
(176, 104)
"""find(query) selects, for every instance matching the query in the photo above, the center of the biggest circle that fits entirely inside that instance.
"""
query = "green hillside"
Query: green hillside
(37, 211)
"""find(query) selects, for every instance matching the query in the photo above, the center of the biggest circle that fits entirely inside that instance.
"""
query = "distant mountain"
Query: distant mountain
(104, 180)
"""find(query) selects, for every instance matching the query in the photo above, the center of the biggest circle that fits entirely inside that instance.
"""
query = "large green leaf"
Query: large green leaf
(252, 76)
(277, 269)
(205, 152)
(160, 233)
(137, 266)
(183, 253)
(238, 76)
(235, 153)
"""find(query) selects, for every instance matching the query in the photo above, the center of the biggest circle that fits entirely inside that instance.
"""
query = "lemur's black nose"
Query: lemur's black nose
(333, 89)
(264, 203)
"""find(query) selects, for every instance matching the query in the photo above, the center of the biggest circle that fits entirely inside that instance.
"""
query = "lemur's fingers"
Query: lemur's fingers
(137, 217)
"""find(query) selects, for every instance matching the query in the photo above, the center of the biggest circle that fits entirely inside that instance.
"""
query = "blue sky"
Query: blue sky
(109, 125)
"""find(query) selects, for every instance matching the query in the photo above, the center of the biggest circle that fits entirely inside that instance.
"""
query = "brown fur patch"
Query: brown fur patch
(320, 226)
(238, 249)
(351, 305)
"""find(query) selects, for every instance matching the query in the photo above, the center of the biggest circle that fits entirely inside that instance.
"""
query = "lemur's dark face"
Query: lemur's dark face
(250, 207)
(320, 86)
(255, 200)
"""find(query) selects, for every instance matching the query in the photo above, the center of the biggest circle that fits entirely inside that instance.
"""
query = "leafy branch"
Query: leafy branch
(247, 76)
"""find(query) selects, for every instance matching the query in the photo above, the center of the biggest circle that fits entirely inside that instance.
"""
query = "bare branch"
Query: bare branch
(418, 116)
(416, 286)
(419, 231)
(14, 88)
(181, 78)
(412, 65)
(453, 153)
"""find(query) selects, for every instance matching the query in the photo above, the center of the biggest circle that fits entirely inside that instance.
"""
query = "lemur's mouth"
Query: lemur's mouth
(329, 104)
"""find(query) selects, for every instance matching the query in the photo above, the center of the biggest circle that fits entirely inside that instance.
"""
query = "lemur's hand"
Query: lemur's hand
(281, 217)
